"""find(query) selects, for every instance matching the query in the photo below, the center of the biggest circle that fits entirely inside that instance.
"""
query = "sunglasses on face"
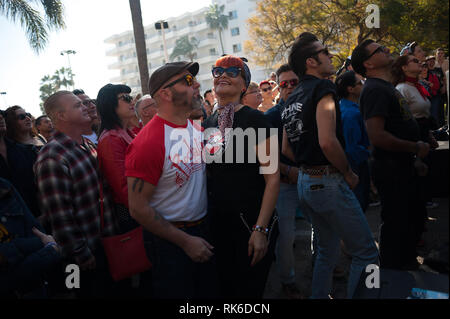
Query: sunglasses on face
(414, 60)
(381, 48)
(126, 97)
(324, 50)
(232, 72)
(285, 84)
(88, 102)
(188, 78)
(23, 116)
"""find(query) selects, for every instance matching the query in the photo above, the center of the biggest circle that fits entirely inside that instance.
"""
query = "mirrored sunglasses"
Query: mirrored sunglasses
(292, 83)
(232, 71)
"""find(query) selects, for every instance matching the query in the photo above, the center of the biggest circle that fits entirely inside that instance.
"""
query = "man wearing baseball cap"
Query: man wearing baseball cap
(167, 187)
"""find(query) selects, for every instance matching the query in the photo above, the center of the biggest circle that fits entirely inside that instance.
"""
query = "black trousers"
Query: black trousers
(237, 279)
(403, 211)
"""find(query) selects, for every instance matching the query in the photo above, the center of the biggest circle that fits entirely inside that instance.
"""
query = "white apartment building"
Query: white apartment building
(194, 25)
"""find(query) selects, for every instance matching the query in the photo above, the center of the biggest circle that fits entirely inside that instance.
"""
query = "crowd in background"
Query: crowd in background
(91, 168)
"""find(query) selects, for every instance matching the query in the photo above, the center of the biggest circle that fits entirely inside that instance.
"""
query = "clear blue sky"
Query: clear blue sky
(89, 23)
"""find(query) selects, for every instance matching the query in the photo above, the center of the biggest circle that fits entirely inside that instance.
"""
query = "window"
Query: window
(232, 15)
(122, 58)
(237, 48)
(174, 27)
(120, 43)
(122, 71)
(210, 35)
(212, 51)
(234, 32)
(161, 47)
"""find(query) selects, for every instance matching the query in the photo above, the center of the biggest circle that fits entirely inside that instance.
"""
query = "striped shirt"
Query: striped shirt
(69, 193)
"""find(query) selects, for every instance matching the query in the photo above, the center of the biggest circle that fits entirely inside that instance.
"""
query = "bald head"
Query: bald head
(145, 108)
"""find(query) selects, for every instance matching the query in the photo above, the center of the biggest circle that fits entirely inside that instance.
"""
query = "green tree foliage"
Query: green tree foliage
(36, 25)
(216, 20)
(62, 78)
(341, 25)
(185, 47)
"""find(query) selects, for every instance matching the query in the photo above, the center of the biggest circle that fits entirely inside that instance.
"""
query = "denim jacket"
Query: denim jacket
(23, 258)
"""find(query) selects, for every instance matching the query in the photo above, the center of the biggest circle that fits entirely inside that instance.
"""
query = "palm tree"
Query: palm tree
(139, 40)
(36, 26)
(62, 78)
(185, 47)
(216, 20)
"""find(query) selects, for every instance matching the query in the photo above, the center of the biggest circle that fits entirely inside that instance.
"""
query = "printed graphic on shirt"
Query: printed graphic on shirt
(291, 116)
(404, 107)
(5, 236)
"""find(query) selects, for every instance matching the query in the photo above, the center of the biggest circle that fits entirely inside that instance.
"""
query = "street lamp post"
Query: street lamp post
(68, 53)
(161, 25)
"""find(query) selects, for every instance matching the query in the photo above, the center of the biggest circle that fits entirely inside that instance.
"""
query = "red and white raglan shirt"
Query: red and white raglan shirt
(168, 156)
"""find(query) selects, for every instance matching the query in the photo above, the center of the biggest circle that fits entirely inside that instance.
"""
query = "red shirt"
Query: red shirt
(112, 147)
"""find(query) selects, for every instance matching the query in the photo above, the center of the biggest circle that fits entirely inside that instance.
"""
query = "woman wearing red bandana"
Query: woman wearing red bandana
(405, 75)
(241, 198)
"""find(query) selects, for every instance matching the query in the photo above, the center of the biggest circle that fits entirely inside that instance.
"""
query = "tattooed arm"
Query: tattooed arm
(139, 194)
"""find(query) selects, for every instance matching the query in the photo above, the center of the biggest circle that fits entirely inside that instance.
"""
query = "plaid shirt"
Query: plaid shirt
(69, 195)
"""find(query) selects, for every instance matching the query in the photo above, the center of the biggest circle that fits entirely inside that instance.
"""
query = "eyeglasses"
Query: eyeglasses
(87, 102)
(23, 116)
(324, 50)
(267, 89)
(292, 83)
(232, 71)
(126, 97)
(188, 78)
(253, 92)
(414, 60)
(381, 48)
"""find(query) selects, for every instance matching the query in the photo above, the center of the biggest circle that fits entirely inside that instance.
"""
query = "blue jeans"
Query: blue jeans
(335, 214)
(286, 207)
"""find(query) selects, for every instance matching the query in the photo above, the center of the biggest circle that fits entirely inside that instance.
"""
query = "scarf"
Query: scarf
(226, 117)
(418, 86)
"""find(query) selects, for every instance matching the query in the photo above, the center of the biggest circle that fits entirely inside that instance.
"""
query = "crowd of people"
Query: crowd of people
(213, 220)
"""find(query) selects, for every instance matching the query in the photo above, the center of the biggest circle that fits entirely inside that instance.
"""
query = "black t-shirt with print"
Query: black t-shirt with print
(238, 183)
(299, 119)
(380, 98)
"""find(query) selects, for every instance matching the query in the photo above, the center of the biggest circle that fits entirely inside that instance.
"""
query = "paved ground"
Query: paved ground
(436, 235)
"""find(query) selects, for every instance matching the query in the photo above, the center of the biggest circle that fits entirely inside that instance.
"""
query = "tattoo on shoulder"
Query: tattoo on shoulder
(139, 184)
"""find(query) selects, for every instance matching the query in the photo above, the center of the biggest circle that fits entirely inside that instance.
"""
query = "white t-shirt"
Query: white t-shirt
(169, 157)
(419, 106)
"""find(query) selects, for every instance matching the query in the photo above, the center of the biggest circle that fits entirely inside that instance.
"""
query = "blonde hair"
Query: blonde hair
(51, 104)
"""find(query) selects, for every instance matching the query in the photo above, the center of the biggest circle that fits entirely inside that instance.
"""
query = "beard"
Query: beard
(182, 100)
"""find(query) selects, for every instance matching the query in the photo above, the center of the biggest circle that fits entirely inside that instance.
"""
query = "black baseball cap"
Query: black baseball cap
(168, 70)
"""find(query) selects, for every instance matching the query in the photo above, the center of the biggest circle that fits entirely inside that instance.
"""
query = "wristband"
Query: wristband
(261, 229)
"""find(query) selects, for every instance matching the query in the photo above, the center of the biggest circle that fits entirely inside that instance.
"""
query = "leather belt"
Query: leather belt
(319, 170)
(188, 224)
